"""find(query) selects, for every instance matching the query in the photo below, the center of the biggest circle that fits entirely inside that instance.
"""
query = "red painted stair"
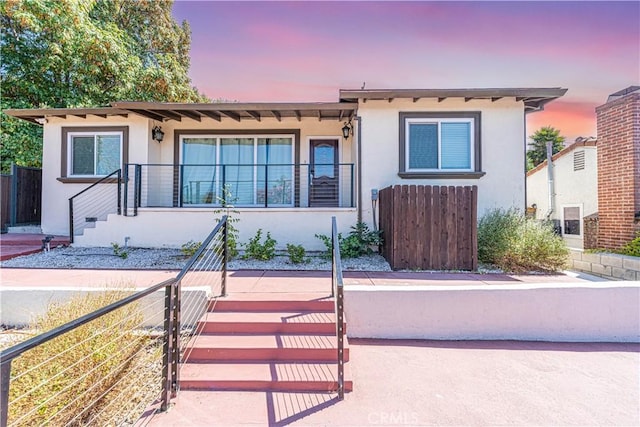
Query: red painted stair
(265, 345)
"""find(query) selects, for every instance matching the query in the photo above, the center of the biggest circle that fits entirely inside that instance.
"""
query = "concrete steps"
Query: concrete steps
(280, 344)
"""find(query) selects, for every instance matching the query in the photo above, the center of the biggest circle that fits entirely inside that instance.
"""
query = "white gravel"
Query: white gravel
(172, 259)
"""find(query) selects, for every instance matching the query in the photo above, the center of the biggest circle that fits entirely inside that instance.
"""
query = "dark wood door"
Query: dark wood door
(324, 173)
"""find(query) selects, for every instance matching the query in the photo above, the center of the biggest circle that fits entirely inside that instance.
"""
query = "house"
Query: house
(287, 168)
(574, 180)
(596, 186)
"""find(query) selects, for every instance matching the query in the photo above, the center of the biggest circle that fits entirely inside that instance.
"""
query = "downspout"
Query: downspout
(359, 167)
(552, 198)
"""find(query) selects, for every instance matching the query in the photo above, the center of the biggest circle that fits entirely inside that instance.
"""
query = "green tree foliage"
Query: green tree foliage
(538, 147)
(86, 53)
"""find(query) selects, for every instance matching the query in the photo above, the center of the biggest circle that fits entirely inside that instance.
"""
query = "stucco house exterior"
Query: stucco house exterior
(575, 190)
(287, 167)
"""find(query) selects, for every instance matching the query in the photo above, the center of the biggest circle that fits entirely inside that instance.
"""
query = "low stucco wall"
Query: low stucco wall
(600, 312)
(172, 227)
(20, 306)
(612, 266)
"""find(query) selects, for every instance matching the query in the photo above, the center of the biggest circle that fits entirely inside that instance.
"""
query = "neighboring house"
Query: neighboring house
(575, 189)
(289, 167)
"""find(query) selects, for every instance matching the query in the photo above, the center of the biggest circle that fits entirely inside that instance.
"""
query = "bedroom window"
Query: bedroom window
(439, 145)
(90, 153)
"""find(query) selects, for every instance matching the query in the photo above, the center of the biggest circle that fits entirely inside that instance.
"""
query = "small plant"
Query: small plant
(119, 251)
(514, 243)
(296, 253)
(633, 247)
(190, 248)
(261, 251)
(357, 243)
(227, 209)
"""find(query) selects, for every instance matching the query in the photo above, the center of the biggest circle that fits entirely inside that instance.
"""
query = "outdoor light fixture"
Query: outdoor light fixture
(347, 129)
(157, 134)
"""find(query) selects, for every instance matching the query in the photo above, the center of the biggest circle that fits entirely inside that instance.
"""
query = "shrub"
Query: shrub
(296, 253)
(261, 251)
(515, 243)
(74, 379)
(190, 248)
(632, 248)
(119, 251)
(227, 200)
(357, 243)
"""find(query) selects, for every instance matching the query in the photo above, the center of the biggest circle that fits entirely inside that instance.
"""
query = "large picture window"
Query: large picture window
(439, 144)
(91, 153)
(256, 170)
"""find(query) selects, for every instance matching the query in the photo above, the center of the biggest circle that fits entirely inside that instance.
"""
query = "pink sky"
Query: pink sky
(306, 51)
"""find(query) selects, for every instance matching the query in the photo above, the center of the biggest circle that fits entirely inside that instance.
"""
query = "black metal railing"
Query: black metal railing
(136, 342)
(243, 185)
(95, 203)
(337, 292)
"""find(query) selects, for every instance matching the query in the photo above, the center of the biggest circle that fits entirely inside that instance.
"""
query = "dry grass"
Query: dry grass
(103, 373)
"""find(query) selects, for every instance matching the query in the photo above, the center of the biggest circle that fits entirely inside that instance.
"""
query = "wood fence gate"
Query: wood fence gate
(430, 227)
(21, 197)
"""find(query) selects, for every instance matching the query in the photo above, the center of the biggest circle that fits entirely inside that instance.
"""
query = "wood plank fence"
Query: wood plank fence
(21, 197)
(429, 227)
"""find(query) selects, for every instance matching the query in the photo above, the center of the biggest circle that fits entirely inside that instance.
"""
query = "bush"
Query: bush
(514, 243)
(296, 253)
(357, 243)
(261, 251)
(190, 248)
(632, 248)
(74, 379)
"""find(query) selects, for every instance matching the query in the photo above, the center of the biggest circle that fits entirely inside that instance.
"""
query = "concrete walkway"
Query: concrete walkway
(18, 244)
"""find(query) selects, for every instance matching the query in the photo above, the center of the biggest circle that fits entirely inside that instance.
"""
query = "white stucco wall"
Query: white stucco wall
(172, 227)
(572, 188)
(502, 149)
(606, 312)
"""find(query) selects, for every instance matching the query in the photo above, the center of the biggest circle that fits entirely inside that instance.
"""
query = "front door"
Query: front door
(323, 173)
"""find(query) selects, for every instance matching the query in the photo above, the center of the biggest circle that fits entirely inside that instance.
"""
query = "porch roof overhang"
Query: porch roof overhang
(241, 111)
(162, 111)
(38, 115)
(534, 98)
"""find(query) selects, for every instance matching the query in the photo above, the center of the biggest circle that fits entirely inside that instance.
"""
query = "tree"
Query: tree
(69, 53)
(538, 146)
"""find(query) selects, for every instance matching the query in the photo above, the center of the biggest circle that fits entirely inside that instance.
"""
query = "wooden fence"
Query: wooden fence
(429, 227)
(21, 197)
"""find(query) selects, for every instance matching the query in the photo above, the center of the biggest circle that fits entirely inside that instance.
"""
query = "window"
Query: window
(440, 145)
(571, 219)
(91, 153)
(257, 170)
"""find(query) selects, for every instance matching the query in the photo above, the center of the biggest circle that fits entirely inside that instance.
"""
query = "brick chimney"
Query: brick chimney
(618, 124)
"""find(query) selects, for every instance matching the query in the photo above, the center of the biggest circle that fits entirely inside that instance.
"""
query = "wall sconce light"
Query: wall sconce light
(157, 134)
(347, 129)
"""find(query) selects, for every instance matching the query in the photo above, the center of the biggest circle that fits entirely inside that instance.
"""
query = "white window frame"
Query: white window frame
(255, 137)
(70, 148)
(580, 215)
(438, 121)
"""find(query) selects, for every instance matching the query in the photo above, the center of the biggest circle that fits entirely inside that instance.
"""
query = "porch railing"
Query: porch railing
(243, 185)
(124, 355)
(95, 203)
(337, 291)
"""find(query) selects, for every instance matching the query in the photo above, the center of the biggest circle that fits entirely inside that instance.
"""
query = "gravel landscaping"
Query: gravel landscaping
(173, 259)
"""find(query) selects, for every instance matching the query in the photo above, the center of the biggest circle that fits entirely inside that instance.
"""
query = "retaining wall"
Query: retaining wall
(612, 266)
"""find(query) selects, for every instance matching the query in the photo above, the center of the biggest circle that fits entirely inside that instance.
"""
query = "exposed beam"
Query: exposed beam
(82, 116)
(440, 98)
(277, 115)
(211, 114)
(298, 115)
(519, 98)
(232, 115)
(190, 114)
(415, 99)
(390, 99)
(495, 98)
(467, 99)
(149, 114)
(104, 116)
(254, 114)
(340, 115)
(319, 116)
(168, 114)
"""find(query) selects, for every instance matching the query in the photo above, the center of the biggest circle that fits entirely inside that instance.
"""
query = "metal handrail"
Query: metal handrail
(117, 172)
(171, 352)
(337, 291)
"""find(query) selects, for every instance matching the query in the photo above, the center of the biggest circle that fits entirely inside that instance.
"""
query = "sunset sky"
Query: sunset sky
(306, 51)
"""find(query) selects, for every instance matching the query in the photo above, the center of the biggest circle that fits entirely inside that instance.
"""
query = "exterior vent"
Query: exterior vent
(578, 160)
